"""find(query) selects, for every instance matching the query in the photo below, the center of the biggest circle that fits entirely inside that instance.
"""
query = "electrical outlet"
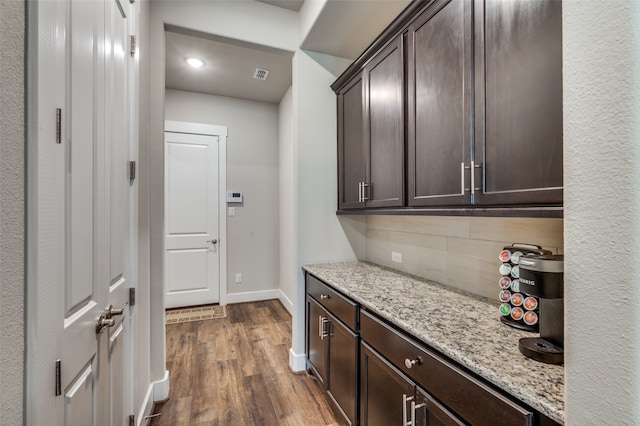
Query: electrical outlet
(238, 278)
(232, 211)
(396, 257)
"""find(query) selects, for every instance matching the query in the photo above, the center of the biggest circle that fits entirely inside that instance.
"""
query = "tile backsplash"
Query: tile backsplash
(460, 252)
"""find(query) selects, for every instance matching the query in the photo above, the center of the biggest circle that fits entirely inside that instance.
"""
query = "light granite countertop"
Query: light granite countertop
(465, 328)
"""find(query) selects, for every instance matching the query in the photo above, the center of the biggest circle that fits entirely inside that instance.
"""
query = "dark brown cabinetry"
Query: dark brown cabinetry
(371, 133)
(388, 397)
(332, 346)
(483, 116)
(439, 99)
(518, 117)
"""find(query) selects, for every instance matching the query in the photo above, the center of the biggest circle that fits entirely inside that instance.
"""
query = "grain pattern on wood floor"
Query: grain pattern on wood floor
(234, 371)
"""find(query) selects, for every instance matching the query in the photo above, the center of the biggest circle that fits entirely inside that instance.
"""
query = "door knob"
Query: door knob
(103, 322)
(212, 241)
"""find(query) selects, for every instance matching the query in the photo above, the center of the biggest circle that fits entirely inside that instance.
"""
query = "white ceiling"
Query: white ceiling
(344, 28)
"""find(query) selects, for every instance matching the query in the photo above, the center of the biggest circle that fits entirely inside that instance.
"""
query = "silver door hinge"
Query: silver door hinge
(132, 296)
(133, 46)
(58, 380)
(132, 170)
(132, 419)
(58, 125)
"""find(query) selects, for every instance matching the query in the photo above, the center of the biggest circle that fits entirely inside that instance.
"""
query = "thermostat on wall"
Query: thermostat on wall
(234, 197)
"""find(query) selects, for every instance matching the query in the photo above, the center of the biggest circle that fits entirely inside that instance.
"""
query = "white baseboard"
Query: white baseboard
(147, 406)
(253, 296)
(297, 362)
(161, 388)
(286, 302)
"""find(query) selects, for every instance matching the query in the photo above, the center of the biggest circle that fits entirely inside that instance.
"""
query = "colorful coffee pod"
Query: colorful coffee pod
(517, 313)
(504, 282)
(530, 303)
(530, 318)
(504, 296)
(505, 269)
(505, 309)
(515, 257)
(515, 271)
(505, 256)
(515, 285)
(517, 299)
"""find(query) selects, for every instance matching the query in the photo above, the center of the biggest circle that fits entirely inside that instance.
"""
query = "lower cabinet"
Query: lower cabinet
(332, 356)
(388, 397)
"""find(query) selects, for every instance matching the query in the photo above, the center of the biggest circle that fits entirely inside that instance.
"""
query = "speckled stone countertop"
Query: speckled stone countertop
(465, 328)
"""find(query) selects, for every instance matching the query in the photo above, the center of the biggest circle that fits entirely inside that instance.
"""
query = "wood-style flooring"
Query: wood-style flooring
(234, 371)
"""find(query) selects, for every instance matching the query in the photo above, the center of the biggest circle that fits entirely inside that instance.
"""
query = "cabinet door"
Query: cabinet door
(383, 391)
(385, 130)
(429, 412)
(317, 335)
(351, 144)
(439, 99)
(343, 362)
(518, 131)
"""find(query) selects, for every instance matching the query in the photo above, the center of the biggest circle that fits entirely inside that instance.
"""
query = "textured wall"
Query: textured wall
(602, 211)
(12, 210)
(252, 167)
(458, 251)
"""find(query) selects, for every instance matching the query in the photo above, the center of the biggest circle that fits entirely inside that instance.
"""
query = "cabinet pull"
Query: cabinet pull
(406, 399)
(462, 188)
(414, 412)
(359, 192)
(322, 332)
(325, 296)
(411, 362)
(365, 191)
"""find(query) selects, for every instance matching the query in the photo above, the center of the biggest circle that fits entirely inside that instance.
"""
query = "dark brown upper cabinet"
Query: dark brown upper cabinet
(439, 105)
(518, 105)
(481, 130)
(371, 133)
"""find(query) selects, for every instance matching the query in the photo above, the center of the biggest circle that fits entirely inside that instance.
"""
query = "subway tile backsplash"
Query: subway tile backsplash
(460, 252)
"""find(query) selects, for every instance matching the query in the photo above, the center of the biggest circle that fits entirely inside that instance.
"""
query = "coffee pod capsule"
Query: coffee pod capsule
(504, 296)
(515, 285)
(505, 256)
(515, 271)
(504, 269)
(505, 282)
(517, 299)
(505, 309)
(530, 303)
(530, 318)
(517, 313)
(515, 257)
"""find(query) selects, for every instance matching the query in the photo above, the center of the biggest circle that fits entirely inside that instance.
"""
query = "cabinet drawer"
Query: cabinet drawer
(473, 400)
(343, 308)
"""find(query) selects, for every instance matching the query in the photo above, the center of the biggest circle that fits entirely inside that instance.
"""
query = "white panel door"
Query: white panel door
(191, 220)
(117, 197)
(79, 246)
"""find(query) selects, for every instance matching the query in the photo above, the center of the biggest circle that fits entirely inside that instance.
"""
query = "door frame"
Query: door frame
(221, 132)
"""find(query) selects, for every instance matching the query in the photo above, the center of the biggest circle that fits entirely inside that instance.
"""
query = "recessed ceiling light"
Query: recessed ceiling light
(195, 62)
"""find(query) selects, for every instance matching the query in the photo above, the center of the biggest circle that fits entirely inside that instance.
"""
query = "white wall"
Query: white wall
(252, 168)
(319, 234)
(286, 187)
(12, 210)
(602, 212)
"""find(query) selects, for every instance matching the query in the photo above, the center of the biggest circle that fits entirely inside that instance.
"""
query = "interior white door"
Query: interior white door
(191, 219)
(79, 255)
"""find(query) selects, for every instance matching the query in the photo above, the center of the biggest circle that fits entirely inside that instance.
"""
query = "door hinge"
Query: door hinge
(132, 420)
(132, 296)
(132, 170)
(58, 380)
(133, 46)
(58, 125)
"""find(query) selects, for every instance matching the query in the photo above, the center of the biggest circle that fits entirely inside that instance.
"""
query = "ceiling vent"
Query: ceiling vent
(261, 74)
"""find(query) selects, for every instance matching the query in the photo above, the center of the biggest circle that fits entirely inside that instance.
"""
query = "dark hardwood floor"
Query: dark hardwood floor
(234, 371)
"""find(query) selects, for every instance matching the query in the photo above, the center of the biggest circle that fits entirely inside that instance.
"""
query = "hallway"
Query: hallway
(234, 371)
